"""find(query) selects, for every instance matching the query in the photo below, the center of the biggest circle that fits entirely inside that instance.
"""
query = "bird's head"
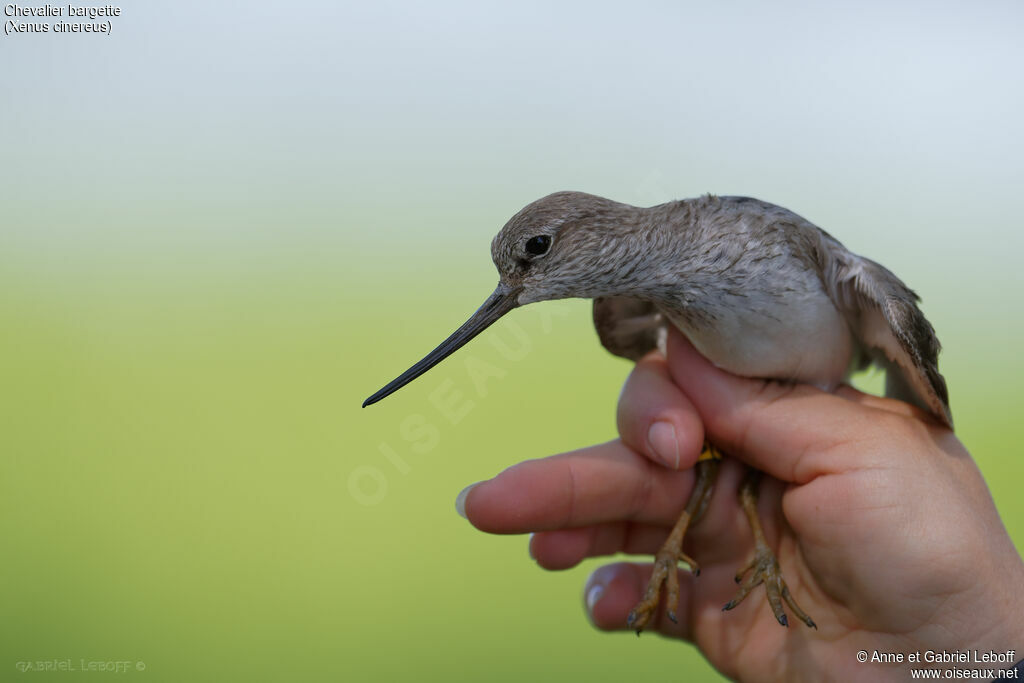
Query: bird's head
(568, 244)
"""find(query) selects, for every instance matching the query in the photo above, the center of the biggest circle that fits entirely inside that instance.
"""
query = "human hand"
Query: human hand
(882, 524)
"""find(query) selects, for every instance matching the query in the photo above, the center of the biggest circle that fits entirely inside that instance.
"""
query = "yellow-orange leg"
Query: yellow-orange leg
(666, 562)
(764, 564)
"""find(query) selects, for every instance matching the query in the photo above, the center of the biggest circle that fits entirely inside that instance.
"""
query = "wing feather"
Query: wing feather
(629, 327)
(893, 332)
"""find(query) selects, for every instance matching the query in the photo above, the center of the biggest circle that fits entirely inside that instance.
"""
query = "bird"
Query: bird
(759, 291)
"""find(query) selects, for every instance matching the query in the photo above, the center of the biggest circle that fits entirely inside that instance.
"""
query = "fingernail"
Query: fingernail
(665, 447)
(594, 593)
(460, 500)
(596, 587)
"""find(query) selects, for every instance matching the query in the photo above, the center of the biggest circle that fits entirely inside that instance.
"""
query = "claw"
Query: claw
(639, 618)
(800, 614)
(694, 567)
(741, 572)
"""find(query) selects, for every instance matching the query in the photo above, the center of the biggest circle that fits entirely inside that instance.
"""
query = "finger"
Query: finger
(787, 430)
(722, 535)
(604, 483)
(655, 418)
(566, 548)
(612, 591)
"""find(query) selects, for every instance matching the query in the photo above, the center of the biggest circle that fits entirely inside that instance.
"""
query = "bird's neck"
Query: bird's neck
(655, 246)
(676, 261)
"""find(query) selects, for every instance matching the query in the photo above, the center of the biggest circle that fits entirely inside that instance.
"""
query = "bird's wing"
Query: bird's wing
(629, 327)
(882, 313)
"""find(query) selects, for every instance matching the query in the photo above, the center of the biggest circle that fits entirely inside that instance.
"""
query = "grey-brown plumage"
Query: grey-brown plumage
(758, 290)
(881, 313)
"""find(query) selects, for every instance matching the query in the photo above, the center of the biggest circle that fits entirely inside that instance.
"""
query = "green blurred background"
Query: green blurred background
(226, 224)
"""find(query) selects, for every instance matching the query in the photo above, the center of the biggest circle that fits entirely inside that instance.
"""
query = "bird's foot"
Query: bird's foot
(764, 568)
(666, 562)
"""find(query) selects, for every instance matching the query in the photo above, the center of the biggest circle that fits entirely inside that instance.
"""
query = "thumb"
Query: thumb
(784, 429)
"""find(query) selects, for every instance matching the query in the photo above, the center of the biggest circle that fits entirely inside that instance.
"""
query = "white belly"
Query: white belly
(801, 337)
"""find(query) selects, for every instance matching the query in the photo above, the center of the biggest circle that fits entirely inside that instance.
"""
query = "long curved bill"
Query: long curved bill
(498, 304)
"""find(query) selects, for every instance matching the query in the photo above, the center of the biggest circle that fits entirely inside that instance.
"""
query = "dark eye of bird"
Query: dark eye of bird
(538, 245)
